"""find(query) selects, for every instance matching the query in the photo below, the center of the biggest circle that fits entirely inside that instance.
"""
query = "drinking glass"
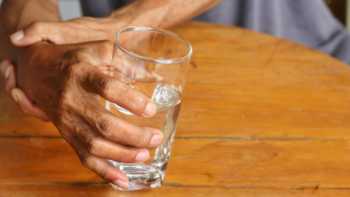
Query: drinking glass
(155, 62)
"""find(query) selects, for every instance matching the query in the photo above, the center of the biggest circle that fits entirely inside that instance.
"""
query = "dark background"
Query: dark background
(338, 7)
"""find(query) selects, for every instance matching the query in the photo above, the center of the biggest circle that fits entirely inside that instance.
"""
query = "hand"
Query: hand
(8, 74)
(80, 30)
(54, 77)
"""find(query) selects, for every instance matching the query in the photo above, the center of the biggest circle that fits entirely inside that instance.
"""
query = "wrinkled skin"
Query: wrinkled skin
(63, 83)
(67, 82)
(75, 31)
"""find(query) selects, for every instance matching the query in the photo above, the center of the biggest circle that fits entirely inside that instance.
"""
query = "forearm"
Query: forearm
(16, 14)
(159, 13)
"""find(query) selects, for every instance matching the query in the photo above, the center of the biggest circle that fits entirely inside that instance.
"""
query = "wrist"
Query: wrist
(112, 24)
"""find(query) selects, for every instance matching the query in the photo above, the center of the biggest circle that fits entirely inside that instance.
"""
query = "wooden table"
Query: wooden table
(261, 117)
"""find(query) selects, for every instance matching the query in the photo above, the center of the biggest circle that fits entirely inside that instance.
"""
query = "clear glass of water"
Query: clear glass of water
(155, 62)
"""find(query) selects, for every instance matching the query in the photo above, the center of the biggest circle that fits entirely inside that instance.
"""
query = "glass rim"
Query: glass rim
(175, 60)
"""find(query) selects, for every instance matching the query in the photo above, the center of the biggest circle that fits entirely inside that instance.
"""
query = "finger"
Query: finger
(120, 131)
(120, 93)
(134, 69)
(8, 73)
(5, 70)
(10, 83)
(40, 31)
(25, 104)
(57, 33)
(106, 149)
(35, 32)
(100, 166)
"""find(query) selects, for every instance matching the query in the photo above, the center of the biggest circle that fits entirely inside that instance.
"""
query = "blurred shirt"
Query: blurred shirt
(309, 22)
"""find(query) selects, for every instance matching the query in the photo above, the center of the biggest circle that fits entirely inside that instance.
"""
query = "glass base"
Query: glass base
(140, 176)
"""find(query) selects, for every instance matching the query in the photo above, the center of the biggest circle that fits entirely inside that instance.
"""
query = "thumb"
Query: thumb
(36, 32)
(26, 105)
(8, 74)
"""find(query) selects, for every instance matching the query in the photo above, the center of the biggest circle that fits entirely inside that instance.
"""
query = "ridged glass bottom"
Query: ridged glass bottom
(141, 176)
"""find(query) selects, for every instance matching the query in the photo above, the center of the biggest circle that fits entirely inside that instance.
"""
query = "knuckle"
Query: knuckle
(94, 80)
(102, 84)
(69, 60)
(98, 83)
(94, 146)
(36, 27)
(120, 90)
(104, 126)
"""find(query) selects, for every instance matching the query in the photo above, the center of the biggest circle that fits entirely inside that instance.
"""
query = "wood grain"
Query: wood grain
(169, 191)
(245, 86)
(261, 116)
(207, 162)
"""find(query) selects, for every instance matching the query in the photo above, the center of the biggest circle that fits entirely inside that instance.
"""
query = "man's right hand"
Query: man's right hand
(67, 82)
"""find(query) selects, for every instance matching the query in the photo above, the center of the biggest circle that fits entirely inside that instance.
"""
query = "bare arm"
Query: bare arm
(159, 13)
(54, 89)
(50, 76)
(17, 14)
(156, 13)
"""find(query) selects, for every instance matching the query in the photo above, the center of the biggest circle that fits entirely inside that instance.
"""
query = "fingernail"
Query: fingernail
(156, 140)
(142, 156)
(3, 66)
(122, 183)
(15, 95)
(7, 72)
(150, 110)
(17, 36)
